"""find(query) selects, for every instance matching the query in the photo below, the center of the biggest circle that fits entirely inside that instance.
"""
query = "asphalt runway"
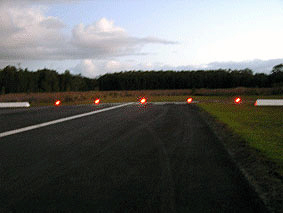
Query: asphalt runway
(159, 158)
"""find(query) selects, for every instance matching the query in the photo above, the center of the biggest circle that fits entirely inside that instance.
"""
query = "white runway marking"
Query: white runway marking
(16, 131)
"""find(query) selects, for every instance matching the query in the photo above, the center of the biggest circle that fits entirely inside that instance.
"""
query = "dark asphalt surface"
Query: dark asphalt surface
(159, 158)
(15, 118)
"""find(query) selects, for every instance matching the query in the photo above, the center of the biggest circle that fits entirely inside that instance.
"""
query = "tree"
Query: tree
(277, 68)
(13, 80)
(276, 76)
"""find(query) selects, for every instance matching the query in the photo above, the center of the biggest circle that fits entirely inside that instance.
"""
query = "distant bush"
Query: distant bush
(17, 80)
(210, 79)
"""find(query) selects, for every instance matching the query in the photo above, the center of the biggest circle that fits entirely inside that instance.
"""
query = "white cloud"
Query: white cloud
(264, 44)
(257, 65)
(86, 68)
(94, 68)
(103, 38)
(113, 65)
(52, 22)
(27, 33)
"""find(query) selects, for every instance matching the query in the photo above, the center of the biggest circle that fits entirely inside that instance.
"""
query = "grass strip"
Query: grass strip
(260, 127)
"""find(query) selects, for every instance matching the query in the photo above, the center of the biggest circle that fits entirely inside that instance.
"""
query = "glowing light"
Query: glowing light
(189, 100)
(57, 103)
(238, 100)
(97, 101)
(143, 100)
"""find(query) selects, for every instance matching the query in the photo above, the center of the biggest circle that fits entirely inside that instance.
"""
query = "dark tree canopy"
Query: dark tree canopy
(277, 68)
(140, 80)
(15, 80)
(276, 76)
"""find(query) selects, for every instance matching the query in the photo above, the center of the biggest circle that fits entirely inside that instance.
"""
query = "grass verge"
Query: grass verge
(260, 127)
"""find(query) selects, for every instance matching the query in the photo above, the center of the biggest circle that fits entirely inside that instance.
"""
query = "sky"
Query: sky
(95, 37)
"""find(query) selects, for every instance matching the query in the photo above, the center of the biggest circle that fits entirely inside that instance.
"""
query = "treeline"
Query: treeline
(16, 80)
(140, 80)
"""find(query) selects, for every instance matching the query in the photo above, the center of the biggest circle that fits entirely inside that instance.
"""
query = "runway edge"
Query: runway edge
(256, 168)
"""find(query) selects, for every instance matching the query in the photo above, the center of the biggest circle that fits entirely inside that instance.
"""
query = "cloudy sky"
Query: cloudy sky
(100, 36)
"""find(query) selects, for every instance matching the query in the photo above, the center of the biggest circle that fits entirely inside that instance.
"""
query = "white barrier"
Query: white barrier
(14, 104)
(269, 102)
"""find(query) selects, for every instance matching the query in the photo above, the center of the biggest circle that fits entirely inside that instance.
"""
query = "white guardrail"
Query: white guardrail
(269, 102)
(14, 104)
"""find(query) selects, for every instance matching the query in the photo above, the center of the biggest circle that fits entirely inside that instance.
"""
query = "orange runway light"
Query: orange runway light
(143, 101)
(189, 100)
(238, 100)
(97, 101)
(57, 103)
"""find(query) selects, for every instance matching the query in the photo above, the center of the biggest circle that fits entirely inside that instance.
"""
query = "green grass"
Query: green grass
(261, 127)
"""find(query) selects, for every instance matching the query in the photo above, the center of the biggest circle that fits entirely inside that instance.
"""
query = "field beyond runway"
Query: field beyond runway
(159, 158)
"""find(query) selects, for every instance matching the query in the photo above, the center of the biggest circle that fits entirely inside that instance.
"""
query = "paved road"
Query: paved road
(159, 158)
